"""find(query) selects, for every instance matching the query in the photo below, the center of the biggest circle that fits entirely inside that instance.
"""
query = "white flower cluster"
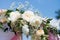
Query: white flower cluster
(14, 16)
(28, 20)
(28, 16)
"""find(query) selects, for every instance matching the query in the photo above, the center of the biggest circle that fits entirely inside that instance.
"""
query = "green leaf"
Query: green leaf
(1, 26)
(42, 37)
(45, 30)
(9, 24)
(17, 9)
(47, 24)
(48, 20)
(20, 19)
(8, 12)
(21, 11)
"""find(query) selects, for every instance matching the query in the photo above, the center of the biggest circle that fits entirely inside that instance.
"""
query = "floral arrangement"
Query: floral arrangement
(27, 22)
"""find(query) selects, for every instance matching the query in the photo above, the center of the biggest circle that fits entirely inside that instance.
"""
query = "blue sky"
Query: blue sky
(46, 7)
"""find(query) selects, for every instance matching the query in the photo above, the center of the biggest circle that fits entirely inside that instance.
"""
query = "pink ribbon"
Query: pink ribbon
(52, 36)
(17, 37)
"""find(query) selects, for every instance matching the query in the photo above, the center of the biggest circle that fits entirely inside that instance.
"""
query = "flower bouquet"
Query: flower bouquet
(26, 22)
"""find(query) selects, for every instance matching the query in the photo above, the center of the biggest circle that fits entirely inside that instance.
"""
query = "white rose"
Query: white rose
(25, 29)
(14, 16)
(36, 21)
(40, 32)
(28, 15)
(3, 11)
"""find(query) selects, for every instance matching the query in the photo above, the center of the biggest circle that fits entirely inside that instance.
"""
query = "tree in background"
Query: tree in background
(58, 17)
(58, 14)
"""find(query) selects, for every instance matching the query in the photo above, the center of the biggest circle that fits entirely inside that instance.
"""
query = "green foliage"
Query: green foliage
(46, 26)
(54, 30)
(17, 9)
(1, 26)
(21, 11)
(8, 12)
(20, 19)
(48, 20)
(42, 37)
(30, 31)
(45, 30)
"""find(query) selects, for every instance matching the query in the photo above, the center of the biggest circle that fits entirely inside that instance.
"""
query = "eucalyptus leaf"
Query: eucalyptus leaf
(17, 9)
(21, 11)
(48, 20)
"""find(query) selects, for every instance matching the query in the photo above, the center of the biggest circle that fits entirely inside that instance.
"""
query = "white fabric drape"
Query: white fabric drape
(6, 35)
